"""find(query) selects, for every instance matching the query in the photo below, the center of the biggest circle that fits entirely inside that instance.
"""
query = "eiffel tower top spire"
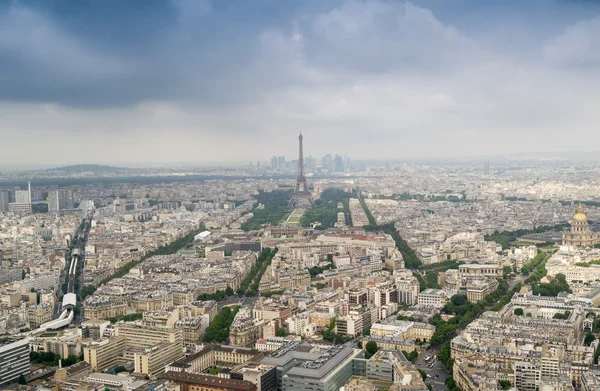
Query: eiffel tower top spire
(300, 158)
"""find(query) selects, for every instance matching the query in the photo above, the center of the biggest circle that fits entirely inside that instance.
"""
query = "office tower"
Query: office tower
(14, 360)
(338, 164)
(22, 196)
(4, 200)
(36, 195)
(281, 162)
(22, 201)
(60, 199)
(274, 163)
(69, 199)
(309, 164)
(327, 162)
(53, 201)
(486, 168)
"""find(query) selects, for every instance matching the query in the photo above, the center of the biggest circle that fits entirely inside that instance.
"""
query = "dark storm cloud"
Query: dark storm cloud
(114, 53)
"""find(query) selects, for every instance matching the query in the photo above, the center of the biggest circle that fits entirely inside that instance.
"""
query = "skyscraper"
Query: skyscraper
(338, 163)
(22, 197)
(327, 162)
(4, 199)
(486, 168)
(60, 199)
(53, 201)
(69, 199)
(281, 162)
(22, 200)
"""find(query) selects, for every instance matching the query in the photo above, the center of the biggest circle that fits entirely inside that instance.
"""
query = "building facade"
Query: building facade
(14, 360)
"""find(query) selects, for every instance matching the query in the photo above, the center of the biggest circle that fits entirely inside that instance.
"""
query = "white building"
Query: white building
(432, 297)
(203, 237)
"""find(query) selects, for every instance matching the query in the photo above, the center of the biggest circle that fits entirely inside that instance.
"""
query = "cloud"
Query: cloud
(368, 77)
(578, 46)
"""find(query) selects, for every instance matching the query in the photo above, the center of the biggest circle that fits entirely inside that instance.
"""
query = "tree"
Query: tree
(371, 347)
(218, 331)
(519, 311)
(23, 274)
(506, 270)
(120, 369)
(22, 379)
(560, 315)
(589, 338)
(412, 356)
(504, 384)
(229, 291)
(459, 300)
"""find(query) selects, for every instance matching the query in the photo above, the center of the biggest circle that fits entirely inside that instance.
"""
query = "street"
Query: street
(437, 372)
(234, 300)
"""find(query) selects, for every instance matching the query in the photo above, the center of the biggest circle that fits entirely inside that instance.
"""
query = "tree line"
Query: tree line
(325, 209)
(249, 286)
(218, 331)
(274, 209)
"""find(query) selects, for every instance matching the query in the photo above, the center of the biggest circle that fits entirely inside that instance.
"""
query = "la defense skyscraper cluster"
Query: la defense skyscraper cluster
(301, 198)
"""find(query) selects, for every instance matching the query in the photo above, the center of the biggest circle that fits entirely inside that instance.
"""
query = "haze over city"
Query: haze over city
(227, 81)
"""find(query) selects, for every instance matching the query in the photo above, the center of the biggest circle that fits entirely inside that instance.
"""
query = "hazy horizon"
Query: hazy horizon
(202, 82)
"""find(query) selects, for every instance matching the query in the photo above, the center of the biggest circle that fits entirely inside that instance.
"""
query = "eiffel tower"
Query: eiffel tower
(301, 199)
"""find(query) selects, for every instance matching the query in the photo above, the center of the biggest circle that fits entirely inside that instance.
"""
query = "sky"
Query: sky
(195, 81)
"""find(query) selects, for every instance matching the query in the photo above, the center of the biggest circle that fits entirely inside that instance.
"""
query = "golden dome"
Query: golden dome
(579, 216)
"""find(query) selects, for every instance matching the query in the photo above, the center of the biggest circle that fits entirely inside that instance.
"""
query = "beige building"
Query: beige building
(477, 290)
(193, 329)
(39, 314)
(63, 348)
(215, 355)
(474, 373)
(476, 269)
(104, 354)
(152, 361)
(152, 302)
(138, 337)
(404, 329)
(103, 310)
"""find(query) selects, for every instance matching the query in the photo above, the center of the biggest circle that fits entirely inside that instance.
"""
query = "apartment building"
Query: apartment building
(152, 361)
(104, 354)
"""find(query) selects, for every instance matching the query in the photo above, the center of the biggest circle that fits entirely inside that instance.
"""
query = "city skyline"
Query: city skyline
(206, 81)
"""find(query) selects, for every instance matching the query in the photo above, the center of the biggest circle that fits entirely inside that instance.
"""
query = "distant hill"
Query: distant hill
(87, 168)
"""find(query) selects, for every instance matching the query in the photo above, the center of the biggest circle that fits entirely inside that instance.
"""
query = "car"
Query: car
(429, 376)
(427, 358)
